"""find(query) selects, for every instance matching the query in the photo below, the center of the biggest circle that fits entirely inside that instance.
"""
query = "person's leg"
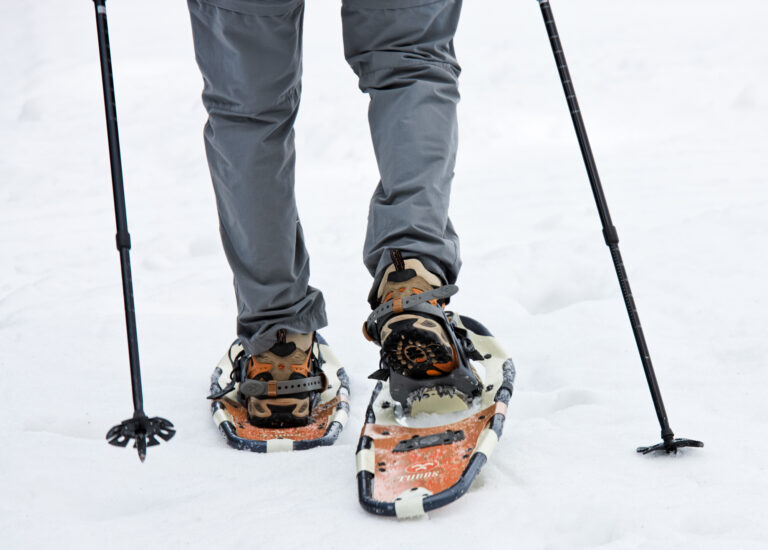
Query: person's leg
(249, 53)
(402, 52)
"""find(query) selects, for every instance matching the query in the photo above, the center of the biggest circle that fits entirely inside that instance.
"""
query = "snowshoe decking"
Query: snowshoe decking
(325, 423)
(407, 471)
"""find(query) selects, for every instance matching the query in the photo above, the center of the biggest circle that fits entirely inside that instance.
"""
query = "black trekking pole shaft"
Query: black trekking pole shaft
(143, 431)
(123, 237)
(609, 231)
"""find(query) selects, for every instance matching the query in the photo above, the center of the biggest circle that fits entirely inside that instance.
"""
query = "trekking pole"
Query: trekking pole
(140, 428)
(669, 444)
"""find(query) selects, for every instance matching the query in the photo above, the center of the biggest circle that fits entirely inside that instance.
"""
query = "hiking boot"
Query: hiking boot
(282, 385)
(413, 344)
(421, 354)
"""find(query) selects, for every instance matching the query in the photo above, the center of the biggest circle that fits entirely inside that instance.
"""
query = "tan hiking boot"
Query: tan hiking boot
(413, 344)
(280, 387)
(424, 355)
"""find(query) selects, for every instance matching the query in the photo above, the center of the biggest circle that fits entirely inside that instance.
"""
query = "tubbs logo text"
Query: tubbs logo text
(421, 475)
(421, 470)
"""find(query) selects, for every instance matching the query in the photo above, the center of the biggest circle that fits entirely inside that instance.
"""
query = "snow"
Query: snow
(673, 97)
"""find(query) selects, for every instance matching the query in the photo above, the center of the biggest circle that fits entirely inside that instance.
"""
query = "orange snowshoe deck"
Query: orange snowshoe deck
(406, 471)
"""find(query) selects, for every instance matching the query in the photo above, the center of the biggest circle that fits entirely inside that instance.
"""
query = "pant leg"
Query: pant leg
(402, 51)
(249, 53)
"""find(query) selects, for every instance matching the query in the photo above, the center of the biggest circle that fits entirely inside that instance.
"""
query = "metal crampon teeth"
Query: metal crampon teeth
(441, 390)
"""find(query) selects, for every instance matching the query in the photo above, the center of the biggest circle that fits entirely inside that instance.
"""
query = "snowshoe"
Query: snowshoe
(286, 399)
(439, 406)
(418, 451)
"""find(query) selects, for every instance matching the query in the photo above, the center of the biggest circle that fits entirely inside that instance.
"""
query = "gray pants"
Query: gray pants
(249, 52)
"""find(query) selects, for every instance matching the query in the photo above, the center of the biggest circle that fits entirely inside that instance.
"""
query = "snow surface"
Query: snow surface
(674, 95)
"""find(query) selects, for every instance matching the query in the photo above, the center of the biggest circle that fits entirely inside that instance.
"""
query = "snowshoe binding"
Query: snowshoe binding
(424, 355)
(293, 396)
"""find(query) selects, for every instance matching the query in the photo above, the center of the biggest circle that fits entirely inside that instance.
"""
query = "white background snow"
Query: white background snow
(674, 95)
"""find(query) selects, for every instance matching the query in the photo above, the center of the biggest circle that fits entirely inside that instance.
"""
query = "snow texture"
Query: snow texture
(673, 94)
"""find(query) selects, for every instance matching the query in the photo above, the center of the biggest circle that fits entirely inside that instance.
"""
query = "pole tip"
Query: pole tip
(669, 447)
(143, 431)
